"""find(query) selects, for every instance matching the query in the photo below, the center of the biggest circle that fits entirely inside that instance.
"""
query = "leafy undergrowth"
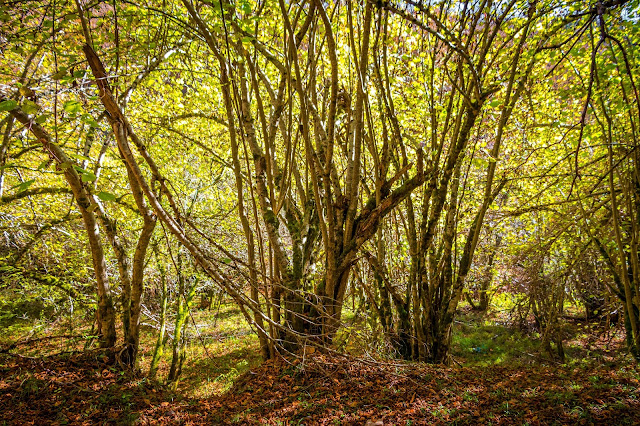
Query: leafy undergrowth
(491, 339)
(82, 388)
(500, 377)
(322, 389)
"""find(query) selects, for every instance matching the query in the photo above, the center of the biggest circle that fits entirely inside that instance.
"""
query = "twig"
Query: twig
(204, 346)
(30, 341)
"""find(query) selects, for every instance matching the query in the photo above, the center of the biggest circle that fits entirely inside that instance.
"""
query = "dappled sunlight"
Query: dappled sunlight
(367, 212)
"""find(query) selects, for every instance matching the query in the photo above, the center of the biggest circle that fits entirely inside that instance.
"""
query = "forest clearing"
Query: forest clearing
(499, 377)
(319, 212)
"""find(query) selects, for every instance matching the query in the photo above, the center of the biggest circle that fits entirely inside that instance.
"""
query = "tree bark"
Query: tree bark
(84, 200)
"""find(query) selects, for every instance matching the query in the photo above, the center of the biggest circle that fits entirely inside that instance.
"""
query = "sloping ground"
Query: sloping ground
(82, 389)
(77, 389)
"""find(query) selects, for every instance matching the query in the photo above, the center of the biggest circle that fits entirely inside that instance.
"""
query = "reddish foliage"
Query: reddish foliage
(323, 390)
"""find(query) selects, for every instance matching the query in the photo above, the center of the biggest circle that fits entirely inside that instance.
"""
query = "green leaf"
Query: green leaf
(62, 72)
(72, 107)
(106, 196)
(79, 157)
(245, 6)
(24, 185)
(8, 105)
(42, 118)
(84, 175)
(86, 118)
(30, 107)
(495, 103)
(88, 177)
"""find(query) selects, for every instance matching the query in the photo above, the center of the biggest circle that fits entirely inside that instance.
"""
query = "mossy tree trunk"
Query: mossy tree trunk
(158, 349)
(87, 204)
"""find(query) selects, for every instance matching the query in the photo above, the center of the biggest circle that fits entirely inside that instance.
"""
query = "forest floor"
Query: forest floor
(495, 380)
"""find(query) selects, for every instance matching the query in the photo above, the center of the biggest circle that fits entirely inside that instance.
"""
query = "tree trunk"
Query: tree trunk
(158, 350)
(105, 313)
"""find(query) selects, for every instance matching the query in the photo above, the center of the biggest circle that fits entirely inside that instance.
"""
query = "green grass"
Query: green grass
(221, 349)
(477, 341)
(221, 346)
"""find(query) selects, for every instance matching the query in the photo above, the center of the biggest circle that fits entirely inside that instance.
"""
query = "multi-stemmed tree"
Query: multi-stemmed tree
(337, 132)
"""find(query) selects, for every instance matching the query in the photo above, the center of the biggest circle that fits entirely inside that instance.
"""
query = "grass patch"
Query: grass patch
(479, 341)
(220, 347)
